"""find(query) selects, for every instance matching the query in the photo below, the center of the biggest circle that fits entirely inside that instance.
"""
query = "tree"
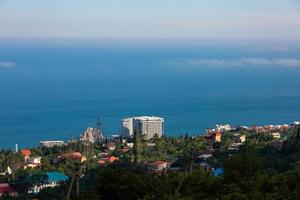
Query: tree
(137, 147)
(241, 166)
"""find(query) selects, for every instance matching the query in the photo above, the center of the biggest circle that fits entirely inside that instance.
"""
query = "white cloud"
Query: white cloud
(7, 64)
(239, 62)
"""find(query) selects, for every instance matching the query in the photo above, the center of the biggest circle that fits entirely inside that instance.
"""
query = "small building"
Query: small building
(297, 123)
(33, 162)
(218, 137)
(109, 159)
(53, 143)
(214, 137)
(6, 189)
(158, 165)
(26, 153)
(223, 128)
(238, 138)
(54, 179)
(276, 135)
(102, 155)
(75, 156)
(151, 144)
(130, 145)
(111, 146)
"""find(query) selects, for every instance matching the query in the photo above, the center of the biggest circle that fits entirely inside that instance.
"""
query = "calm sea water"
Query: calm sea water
(55, 90)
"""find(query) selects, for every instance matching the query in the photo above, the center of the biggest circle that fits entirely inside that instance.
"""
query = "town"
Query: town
(30, 172)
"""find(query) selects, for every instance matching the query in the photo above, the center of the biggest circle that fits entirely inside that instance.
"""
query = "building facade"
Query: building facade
(52, 143)
(148, 126)
(127, 127)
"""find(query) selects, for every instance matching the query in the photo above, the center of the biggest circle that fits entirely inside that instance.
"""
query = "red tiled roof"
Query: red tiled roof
(109, 159)
(73, 155)
(26, 152)
(6, 188)
(101, 162)
(112, 158)
(157, 163)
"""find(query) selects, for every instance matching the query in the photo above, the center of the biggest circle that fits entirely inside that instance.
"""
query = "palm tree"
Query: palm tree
(79, 162)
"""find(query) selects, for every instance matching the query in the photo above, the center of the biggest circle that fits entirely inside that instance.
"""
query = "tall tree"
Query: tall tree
(298, 133)
(137, 147)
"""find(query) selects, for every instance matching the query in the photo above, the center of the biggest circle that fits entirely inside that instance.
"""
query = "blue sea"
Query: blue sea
(53, 90)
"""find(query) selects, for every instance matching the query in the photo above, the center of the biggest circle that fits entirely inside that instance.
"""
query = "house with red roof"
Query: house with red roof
(109, 159)
(5, 188)
(73, 156)
(111, 146)
(26, 153)
(158, 165)
(213, 137)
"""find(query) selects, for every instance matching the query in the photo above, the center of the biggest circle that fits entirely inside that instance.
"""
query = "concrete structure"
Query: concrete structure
(158, 165)
(127, 127)
(296, 123)
(52, 143)
(223, 128)
(238, 138)
(130, 145)
(33, 162)
(148, 126)
(276, 135)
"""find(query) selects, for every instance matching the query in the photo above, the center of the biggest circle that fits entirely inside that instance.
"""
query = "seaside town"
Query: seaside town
(30, 173)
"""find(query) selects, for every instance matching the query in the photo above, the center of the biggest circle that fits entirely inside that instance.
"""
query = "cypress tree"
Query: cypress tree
(298, 133)
(137, 147)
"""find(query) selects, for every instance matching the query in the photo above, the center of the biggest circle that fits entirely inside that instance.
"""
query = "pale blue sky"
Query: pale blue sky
(173, 19)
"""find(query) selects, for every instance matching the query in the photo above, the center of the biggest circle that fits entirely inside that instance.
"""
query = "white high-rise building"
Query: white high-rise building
(148, 126)
(127, 127)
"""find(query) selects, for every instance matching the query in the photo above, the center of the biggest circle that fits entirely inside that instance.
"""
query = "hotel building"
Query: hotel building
(148, 126)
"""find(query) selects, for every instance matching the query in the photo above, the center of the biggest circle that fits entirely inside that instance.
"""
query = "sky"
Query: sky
(155, 19)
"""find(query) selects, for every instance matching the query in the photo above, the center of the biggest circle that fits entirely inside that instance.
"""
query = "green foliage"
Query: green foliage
(27, 178)
(260, 170)
(57, 193)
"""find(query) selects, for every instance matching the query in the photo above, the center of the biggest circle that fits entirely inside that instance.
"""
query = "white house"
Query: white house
(276, 135)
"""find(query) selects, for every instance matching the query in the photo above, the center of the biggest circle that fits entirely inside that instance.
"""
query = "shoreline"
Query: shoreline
(267, 126)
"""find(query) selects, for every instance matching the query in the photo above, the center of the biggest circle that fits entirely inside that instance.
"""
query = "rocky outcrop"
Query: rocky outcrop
(92, 135)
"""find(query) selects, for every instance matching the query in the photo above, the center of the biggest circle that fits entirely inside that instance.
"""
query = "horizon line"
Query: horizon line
(293, 41)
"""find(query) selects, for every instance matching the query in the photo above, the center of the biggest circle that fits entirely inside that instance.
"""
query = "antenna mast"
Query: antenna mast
(98, 123)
